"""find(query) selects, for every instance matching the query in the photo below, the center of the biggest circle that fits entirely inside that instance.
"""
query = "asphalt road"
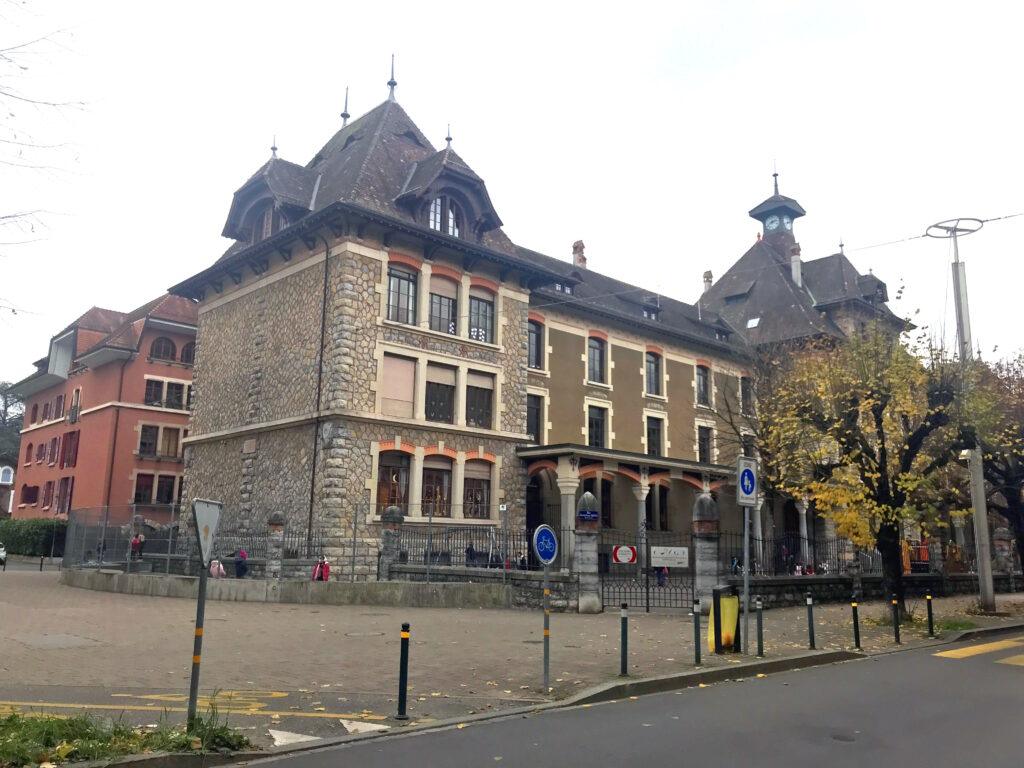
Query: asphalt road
(908, 708)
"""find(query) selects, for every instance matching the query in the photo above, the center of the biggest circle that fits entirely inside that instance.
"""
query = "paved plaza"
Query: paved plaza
(328, 670)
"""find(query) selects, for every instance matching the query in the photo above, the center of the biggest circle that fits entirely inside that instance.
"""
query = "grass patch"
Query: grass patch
(34, 739)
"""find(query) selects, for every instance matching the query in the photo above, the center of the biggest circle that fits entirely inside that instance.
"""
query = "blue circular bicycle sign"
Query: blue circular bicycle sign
(545, 544)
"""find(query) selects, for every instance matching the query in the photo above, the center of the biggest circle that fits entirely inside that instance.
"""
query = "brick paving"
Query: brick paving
(345, 658)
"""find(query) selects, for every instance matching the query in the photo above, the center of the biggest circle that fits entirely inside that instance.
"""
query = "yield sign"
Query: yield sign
(207, 515)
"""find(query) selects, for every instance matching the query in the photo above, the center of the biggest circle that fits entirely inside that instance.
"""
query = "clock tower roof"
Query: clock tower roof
(777, 204)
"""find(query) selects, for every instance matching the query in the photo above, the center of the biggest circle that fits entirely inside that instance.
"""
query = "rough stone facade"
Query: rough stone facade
(257, 431)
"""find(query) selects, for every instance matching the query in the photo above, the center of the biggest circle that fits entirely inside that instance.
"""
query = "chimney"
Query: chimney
(794, 264)
(707, 281)
(577, 254)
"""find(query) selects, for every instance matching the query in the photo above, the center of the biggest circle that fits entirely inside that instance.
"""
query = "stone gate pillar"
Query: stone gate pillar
(275, 545)
(640, 494)
(568, 481)
(1002, 541)
(390, 535)
(705, 542)
(588, 521)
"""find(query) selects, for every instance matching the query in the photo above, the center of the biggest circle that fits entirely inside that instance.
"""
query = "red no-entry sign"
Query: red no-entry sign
(624, 555)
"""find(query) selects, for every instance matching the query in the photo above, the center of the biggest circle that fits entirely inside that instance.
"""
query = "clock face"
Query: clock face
(787, 222)
(772, 222)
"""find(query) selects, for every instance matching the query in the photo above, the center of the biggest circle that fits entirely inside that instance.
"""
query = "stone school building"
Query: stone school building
(373, 338)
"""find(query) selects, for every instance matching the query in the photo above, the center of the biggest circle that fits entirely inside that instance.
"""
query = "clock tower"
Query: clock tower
(776, 215)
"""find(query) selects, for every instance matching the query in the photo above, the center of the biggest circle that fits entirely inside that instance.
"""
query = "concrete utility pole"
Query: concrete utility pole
(946, 230)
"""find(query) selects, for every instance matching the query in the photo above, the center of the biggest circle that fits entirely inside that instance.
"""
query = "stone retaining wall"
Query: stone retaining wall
(526, 587)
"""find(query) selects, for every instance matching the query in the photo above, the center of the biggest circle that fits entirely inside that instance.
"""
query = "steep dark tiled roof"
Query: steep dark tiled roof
(128, 333)
(608, 297)
(760, 287)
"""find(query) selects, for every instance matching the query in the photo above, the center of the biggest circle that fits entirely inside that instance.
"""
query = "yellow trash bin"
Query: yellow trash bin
(729, 607)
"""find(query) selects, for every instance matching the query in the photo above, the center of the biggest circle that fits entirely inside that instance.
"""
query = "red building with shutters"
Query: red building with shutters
(106, 412)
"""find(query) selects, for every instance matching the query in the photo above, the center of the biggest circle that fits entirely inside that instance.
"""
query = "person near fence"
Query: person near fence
(217, 569)
(135, 547)
(142, 543)
(241, 566)
(322, 569)
(662, 575)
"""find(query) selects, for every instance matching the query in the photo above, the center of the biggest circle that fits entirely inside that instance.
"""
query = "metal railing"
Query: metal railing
(784, 555)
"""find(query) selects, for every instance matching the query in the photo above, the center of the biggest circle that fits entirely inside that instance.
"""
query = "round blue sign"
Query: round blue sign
(545, 544)
(747, 481)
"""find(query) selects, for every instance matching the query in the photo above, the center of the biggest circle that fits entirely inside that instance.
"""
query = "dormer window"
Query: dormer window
(162, 349)
(650, 314)
(563, 288)
(445, 216)
(265, 223)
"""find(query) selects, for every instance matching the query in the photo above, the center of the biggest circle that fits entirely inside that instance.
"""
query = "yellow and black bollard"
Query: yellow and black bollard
(931, 621)
(896, 618)
(696, 631)
(403, 673)
(856, 624)
(810, 620)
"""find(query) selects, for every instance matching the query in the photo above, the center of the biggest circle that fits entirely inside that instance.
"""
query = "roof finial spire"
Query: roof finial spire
(448, 138)
(344, 113)
(841, 245)
(775, 176)
(391, 82)
(273, 147)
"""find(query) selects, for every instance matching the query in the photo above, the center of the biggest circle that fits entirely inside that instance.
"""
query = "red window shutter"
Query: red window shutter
(73, 458)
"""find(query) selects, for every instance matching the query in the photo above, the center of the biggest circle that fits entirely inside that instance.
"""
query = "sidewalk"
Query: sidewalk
(313, 661)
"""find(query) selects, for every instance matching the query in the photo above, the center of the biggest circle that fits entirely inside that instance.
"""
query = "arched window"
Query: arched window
(393, 481)
(188, 353)
(28, 453)
(40, 452)
(476, 495)
(536, 345)
(46, 411)
(653, 367)
(35, 414)
(162, 349)
(703, 385)
(596, 365)
(6, 475)
(445, 216)
(437, 487)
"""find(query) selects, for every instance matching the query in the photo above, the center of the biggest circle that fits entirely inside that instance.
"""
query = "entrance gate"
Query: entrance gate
(638, 583)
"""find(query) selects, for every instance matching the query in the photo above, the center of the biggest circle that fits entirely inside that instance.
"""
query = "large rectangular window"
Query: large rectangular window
(169, 442)
(596, 349)
(143, 489)
(398, 384)
(148, 436)
(477, 498)
(481, 319)
(596, 419)
(535, 345)
(746, 396)
(401, 295)
(47, 493)
(69, 450)
(437, 490)
(443, 314)
(440, 404)
(165, 489)
(703, 385)
(65, 486)
(154, 392)
(175, 395)
(654, 433)
(704, 445)
(534, 417)
(479, 400)
(653, 368)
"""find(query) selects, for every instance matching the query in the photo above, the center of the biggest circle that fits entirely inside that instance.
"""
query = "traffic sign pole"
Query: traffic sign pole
(545, 547)
(746, 580)
(746, 497)
(205, 516)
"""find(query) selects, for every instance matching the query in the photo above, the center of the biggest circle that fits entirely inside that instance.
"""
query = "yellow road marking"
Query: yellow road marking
(17, 706)
(1017, 660)
(976, 650)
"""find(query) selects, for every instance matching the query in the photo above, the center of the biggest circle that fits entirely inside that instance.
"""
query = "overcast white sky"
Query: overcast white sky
(647, 130)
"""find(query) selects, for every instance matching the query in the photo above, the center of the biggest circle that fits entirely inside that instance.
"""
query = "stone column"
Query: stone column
(423, 297)
(463, 307)
(585, 560)
(459, 485)
(419, 397)
(705, 542)
(640, 493)
(461, 378)
(390, 535)
(958, 531)
(757, 548)
(1002, 541)
(275, 545)
(567, 488)
(568, 481)
(935, 554)
(416, 483)
(801, 515)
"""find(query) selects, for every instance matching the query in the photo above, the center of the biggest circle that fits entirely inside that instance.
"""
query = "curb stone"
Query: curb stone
(606, 692)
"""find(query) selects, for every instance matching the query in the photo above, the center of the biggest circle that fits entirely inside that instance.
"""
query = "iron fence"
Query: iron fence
(786, 554)
(470, 546)
(631, 574)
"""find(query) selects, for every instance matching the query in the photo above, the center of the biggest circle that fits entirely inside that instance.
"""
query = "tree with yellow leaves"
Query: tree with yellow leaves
(860, 428)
